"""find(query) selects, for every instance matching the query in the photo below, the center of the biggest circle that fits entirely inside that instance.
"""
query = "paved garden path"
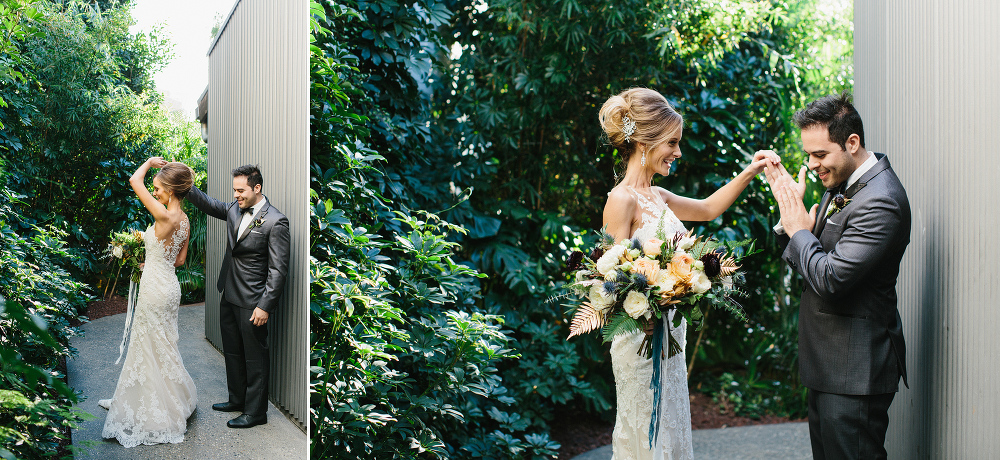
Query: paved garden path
(782, 441)
(94, 373)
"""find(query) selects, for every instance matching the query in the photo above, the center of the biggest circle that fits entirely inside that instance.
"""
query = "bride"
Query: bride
(646, 131)
(155, 394)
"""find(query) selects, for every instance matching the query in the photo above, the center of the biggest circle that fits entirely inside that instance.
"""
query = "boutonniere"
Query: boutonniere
(256, 223)
(838, 203)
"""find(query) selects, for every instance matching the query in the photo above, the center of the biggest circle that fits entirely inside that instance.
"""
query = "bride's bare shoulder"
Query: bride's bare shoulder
(620, 198)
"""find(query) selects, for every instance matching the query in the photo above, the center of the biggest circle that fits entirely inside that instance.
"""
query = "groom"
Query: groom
(251, 280)
(851, 349)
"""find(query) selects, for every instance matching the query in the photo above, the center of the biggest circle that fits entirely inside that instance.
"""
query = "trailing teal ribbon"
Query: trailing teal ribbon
(654, 383)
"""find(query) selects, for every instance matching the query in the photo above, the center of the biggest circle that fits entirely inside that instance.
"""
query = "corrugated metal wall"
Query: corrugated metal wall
(258, 113)
(927, 84)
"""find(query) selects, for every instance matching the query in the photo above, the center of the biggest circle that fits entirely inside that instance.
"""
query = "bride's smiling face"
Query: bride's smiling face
(660, 159)
(159, 192)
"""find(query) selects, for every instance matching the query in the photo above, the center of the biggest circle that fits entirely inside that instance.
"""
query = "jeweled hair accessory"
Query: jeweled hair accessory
(628, 127)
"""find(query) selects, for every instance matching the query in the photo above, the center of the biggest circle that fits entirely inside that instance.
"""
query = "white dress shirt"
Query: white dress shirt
(249, 216)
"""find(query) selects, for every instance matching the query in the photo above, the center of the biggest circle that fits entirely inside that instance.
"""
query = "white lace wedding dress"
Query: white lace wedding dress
(155, 394)
(633, 374)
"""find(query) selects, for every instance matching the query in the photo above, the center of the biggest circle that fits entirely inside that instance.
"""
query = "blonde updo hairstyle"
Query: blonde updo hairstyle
(656, 121)
(176, 177)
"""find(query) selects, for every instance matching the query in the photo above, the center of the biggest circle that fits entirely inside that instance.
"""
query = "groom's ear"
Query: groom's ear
(257, 188)
(853, 143)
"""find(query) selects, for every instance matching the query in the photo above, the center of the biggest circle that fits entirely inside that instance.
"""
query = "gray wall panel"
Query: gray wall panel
(926, 74)
(258, 113)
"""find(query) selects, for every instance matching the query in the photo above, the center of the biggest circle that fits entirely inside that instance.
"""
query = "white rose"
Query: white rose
(700, 282)
(610, 259)
(601, 299)
(636, 304)
(117, 251)
(666, 281)
(685, 243)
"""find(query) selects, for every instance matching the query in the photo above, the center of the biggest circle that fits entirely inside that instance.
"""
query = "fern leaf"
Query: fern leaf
(620, 324)
(587, 319)
(728, 267)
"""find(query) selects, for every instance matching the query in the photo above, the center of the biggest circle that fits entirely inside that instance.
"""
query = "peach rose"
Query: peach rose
(652, 247)
(649, 268)
(680, 266)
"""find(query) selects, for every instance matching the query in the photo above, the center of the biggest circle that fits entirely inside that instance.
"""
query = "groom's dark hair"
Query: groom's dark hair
(837, 114)
(252, 173)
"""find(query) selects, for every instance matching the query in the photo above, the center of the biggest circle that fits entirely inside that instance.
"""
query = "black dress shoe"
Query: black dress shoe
(247, 421)
(227, 407)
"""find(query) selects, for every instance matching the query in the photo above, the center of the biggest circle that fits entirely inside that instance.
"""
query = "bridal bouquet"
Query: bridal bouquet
(635, 281)
(130, 250)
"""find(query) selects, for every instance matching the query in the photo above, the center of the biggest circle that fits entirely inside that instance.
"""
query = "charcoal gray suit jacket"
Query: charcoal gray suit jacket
(850, 331)
(255, 263)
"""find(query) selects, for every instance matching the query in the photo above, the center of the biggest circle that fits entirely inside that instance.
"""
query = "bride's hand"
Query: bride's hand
(762, 160)
(156, 162)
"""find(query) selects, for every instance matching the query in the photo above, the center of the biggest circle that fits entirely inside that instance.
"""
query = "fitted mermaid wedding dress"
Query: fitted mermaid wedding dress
(155, 394)
(633, 374)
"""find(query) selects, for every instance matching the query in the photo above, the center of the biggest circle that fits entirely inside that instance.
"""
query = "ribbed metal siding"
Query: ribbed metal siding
(926, 84)
(259, 114)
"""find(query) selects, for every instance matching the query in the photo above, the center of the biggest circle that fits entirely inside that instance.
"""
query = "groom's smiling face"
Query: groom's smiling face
(831, 163)
(244, 195)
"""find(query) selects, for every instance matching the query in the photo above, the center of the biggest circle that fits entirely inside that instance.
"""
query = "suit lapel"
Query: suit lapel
(821, 218)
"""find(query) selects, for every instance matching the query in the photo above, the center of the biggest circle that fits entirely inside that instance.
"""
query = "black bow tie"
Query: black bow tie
(246, 210)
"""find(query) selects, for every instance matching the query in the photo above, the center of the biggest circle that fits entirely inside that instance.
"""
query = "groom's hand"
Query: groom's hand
(788, 194)
(259, 317)
(773, 172)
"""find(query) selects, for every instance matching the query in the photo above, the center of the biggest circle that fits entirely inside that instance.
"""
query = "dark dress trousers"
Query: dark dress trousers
(252, 276)
(851, 348)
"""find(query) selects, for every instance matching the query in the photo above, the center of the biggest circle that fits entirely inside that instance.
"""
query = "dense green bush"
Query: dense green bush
(39, 300)
(404, 363)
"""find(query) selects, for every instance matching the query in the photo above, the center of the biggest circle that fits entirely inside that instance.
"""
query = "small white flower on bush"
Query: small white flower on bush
(700, 282)
(600, 299)
(636, 304)
(610, 259)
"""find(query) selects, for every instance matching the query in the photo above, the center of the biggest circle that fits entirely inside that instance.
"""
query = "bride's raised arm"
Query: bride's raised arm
(691, 209)
(138, 183)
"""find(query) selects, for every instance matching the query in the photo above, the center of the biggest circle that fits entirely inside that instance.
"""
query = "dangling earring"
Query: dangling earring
(644, 157)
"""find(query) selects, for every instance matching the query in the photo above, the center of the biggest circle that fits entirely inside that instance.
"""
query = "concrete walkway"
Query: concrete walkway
(783, 441)
(94, 374)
